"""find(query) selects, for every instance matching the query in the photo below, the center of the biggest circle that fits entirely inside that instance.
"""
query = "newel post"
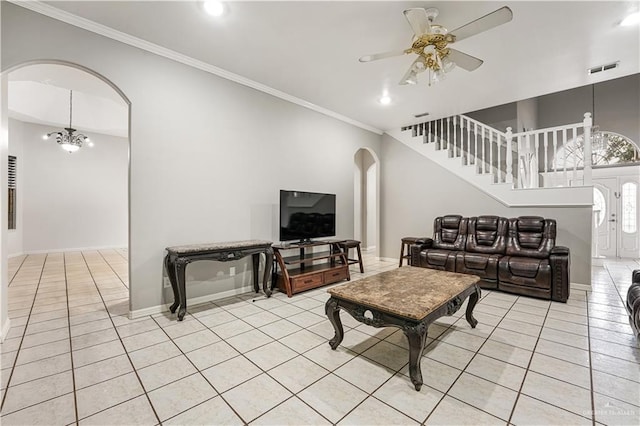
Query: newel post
(509, 156)
(588, 123)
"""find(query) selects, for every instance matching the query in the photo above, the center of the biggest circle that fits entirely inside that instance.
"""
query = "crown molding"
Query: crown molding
(103, 30)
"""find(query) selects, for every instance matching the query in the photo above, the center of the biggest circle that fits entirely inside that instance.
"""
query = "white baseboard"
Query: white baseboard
(579, 286)
(190, 302)
(9, 256)
(5, 329)
(389, 259)
(60, 250)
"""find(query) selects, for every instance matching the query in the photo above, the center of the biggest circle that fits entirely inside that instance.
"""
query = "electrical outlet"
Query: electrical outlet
(167, 283)
(232, 271)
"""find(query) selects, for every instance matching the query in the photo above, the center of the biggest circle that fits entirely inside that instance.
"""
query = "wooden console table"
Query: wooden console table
(305, 271)
(409, 298)
(178, 257)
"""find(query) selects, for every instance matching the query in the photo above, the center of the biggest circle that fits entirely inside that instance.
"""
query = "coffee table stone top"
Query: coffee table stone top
(410, 292)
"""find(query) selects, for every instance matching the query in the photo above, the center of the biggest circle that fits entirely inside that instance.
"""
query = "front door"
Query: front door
(604, 214)
(616, 216)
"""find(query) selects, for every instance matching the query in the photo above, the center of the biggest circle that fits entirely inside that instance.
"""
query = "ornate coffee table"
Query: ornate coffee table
(409, 298)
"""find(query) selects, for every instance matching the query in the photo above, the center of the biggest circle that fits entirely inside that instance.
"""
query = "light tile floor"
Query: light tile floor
(72, 356)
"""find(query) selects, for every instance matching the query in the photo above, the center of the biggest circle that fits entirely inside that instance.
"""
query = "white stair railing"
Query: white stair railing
(518, 159)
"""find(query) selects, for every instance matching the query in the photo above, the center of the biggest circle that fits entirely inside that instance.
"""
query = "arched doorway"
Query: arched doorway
(366, 201)
(40, 97)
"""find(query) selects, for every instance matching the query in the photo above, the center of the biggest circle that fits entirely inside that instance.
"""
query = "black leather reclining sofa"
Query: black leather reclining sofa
(517, 255)
(633, 303)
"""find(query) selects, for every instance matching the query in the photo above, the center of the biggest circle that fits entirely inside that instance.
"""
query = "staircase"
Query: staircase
(545, 167)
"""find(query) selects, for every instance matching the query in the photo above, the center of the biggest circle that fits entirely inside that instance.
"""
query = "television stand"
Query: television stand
(305, 271)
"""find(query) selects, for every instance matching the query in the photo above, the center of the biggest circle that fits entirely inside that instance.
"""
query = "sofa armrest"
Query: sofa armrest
(560, 251)
(421, 244)
(559, 260)
(636, 276)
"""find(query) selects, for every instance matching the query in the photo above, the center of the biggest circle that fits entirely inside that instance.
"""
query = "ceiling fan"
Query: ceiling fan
(430, 43)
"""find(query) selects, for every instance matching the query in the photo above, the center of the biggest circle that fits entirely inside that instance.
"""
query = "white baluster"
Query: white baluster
(430, 139)
(491, 169)
(475, 151)
(450, 145)
(535, 174)
(509, 154)
(564, 150)
(588, 122)
(574, 132)
(468, 151)
(455, 138)
(546, 154)
(499, 163)
(484, 163)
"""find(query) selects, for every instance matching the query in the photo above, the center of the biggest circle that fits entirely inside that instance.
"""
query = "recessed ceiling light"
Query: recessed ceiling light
(631, 19)
(385, 100)
(214, 8)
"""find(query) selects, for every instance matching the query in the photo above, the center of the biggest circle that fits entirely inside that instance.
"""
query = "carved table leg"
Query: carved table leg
(473, 299)
(333, 313)
(170, 269)
(268, 264)
(181, 267)
(256, 265)
(417, 336)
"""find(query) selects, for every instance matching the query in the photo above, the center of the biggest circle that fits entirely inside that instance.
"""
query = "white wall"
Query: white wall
(371, 202)
(428, 191)
(208, 156)
(4, 142)
(70, 201)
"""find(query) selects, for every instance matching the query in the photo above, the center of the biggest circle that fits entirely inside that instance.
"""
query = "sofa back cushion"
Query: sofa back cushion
(487, 234)
(531, 236)
(450, 232)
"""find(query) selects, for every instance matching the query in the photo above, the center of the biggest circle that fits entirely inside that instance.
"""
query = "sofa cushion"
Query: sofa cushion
(438, 259)
(531, 236)
(524, 271)
(450, 232)
(482, 265)
(487, 234)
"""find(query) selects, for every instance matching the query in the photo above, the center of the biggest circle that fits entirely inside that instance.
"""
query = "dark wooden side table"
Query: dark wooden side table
(406, 243)
(178, 257)
(409, 298)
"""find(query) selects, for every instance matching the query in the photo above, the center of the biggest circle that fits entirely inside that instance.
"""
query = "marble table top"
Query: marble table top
(408, 291)
(192, 248)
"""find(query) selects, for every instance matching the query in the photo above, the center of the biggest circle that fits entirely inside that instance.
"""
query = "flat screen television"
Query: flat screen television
(306, 215)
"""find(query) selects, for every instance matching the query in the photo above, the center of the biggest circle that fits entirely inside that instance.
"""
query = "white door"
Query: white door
(604, 205)
(628, 236)
(616, 216)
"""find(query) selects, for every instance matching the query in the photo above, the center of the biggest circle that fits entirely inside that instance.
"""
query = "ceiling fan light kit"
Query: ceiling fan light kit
(431, 41)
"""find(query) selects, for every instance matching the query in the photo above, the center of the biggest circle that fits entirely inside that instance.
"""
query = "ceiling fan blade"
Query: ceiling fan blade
(491, 20)
(375, 57)
(463, 60)
(418, 20)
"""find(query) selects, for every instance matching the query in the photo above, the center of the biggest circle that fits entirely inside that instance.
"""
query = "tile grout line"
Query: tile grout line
(123, 347)
(198, 371)
(16, 271)
(6, 392)
(73, 373)
(528, 368)
(116, 274)
(446, 393)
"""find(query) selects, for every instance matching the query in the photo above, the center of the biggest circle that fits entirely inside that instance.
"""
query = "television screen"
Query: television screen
(306, 215)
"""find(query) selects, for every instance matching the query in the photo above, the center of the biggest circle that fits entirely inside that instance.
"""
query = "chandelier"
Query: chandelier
(68, 139)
